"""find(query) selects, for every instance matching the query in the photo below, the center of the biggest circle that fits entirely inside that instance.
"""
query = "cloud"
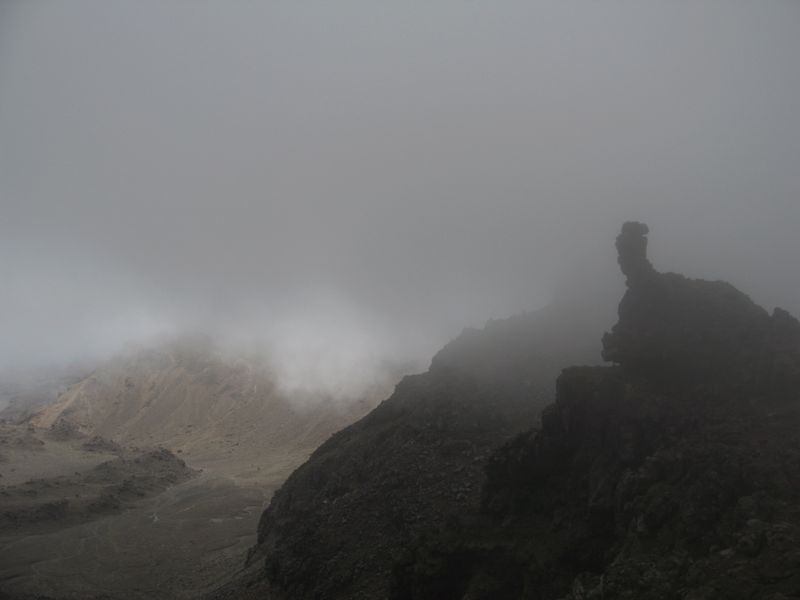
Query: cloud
(169, 166)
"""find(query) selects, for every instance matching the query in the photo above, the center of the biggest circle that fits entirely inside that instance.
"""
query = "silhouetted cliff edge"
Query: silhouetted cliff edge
(673, 474)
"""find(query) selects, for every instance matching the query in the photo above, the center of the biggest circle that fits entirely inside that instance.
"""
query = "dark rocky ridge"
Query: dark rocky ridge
(342, 520)
(675, 474)
(682, 330)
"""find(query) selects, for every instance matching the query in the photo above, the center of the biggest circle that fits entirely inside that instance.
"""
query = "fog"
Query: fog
(353, 182)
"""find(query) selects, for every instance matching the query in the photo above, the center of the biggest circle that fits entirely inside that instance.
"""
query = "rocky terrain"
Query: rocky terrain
(674, 474)
(342, 520)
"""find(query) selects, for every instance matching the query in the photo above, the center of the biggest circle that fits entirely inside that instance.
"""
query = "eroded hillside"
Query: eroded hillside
(158, 462)
(216, 411)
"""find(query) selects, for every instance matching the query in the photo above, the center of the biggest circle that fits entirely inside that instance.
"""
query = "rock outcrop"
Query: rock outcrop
(674, 474)
(632, 252)
(680, 330)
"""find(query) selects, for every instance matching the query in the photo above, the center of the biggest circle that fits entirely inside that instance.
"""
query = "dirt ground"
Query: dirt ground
(175, 542)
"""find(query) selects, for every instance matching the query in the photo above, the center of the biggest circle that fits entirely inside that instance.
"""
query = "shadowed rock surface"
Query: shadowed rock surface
(675, 474)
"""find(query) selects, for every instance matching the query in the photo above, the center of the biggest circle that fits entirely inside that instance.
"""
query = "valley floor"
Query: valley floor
(175, 543)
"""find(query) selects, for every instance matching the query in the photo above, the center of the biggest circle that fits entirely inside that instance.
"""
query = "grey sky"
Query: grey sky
(373, 176)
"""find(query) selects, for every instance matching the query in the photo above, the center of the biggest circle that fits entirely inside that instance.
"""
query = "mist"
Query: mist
(352, 183)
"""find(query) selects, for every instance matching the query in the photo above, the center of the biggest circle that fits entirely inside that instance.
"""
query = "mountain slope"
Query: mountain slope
(186, 396)
(25, 391)
(339, 523)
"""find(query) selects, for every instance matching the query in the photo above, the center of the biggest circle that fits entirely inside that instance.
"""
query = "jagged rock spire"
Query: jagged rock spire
(688, 330)
(632, 250)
